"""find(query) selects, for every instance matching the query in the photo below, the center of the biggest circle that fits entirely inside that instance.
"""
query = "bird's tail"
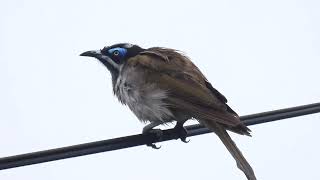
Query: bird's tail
(242, 163)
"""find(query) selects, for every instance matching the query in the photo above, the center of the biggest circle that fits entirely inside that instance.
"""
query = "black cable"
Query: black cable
(141, 139)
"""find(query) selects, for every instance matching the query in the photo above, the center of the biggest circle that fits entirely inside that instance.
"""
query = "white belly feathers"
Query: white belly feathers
(145, 100)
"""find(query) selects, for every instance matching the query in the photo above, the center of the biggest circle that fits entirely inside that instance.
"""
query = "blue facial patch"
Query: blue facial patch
(122, 51)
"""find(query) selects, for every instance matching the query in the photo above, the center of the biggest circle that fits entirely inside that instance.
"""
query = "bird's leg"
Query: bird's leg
(149, 129)
(181, 131)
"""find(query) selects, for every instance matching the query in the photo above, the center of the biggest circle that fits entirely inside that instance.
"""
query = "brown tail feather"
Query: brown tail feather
(242, 163)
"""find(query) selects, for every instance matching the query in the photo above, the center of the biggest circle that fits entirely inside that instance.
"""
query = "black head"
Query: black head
(114, 56)
(119, 53)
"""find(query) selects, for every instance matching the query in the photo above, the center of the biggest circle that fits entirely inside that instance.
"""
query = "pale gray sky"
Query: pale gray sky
(261, 55)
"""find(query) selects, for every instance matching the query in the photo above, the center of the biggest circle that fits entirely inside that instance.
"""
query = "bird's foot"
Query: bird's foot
(158, 133)
(182, 132)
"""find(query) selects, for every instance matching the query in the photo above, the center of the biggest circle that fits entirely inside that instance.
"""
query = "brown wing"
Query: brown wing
(189, 91)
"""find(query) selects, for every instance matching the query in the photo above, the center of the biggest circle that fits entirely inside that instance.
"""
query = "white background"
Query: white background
(261, 55)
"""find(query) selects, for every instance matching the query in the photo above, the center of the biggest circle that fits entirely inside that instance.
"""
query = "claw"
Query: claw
(185, 140)
(182, 133)
(158, 133)
(154, 146)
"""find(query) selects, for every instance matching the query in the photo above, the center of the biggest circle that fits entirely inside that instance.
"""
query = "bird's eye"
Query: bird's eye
(116, 53)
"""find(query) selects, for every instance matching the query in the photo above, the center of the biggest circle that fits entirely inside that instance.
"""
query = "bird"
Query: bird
(162, 85)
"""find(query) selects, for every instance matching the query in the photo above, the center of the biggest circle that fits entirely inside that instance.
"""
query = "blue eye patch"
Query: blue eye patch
(122, 51)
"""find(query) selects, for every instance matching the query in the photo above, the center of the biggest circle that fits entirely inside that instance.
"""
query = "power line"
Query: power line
(141, 139)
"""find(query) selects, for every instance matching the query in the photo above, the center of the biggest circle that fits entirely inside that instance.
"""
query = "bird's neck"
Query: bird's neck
(114, 72)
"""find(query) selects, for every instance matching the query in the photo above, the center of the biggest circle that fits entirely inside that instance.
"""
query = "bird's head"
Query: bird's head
(114, 56)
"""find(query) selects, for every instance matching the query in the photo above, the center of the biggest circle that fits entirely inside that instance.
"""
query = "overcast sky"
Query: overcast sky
(261, 55)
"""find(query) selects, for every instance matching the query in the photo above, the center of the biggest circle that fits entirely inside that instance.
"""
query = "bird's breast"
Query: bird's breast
(146, 100)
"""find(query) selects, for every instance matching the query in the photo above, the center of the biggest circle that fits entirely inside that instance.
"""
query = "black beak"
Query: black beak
(94, 53)
(107, 61)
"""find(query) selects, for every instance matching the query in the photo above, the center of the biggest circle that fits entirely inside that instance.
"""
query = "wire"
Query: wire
(141, 139)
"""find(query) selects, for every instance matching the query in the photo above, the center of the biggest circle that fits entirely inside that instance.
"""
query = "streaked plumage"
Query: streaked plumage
(161, 85)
